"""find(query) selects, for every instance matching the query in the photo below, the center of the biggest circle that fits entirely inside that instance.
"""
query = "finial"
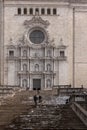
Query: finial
(10, 39)
(61, 41)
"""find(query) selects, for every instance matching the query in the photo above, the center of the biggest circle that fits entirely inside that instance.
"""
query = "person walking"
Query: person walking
(35, 100)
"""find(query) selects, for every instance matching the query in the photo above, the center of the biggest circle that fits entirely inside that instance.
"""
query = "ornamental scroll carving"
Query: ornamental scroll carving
(36, 21)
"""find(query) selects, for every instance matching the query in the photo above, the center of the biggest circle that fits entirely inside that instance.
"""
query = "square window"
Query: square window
(31, 11)
(42, 11)
(54, 11)
(62, 53)
(48, 11)
(19, 11)
(37, 11)
(11, 53)
(25, 10)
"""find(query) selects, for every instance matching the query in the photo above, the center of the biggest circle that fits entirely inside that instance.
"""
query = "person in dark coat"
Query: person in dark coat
(35, 100)
(40, 99)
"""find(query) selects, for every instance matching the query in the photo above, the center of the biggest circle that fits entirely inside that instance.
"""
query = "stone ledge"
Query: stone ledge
(80, 112)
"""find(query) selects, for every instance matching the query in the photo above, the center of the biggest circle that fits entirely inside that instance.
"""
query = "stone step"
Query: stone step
(6, 91)
(47, 117)
(40, 117)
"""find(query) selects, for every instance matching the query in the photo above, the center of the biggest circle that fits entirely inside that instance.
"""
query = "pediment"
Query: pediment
(61, 44)
(36, 20)
(62, 47)
(11, 47)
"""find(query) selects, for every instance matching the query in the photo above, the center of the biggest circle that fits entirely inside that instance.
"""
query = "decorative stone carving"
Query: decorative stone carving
(61, 45)
(11, 47)
(22, 40)
(36, 54)
(36, 20)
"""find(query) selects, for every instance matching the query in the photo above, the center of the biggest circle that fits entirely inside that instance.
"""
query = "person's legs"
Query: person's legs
(35, 103)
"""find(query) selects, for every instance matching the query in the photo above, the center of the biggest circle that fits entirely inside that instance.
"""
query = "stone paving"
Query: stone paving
(47, 117)
(19, 113)
(40, 117)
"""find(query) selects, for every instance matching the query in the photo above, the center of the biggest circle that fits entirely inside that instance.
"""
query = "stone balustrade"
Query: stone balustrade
(67, 90)
(80, 112)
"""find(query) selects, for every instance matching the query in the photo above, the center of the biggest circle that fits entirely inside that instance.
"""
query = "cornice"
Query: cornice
(40, 0)
(78, 1)
(49, 3)
(68, 1)
(37, 5)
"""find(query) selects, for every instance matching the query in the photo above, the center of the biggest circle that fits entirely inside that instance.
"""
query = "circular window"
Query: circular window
(37, 36)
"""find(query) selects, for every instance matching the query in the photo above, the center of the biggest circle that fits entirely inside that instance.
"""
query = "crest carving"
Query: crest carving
(36, 20)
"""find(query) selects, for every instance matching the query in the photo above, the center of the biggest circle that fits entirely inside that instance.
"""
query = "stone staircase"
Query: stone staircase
(8, 90)
(23, 115)
(69, 119)
(47, 118)
(5, 90)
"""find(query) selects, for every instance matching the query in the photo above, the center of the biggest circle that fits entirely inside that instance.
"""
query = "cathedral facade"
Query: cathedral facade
(43, 44)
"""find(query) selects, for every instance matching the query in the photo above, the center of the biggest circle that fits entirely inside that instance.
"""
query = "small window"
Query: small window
(42, 11)
(19, 11)
(31, 11)
(54, 11)
(36, 11)
(25, 10)
(11, 53)
(62, 53)
(48, 11)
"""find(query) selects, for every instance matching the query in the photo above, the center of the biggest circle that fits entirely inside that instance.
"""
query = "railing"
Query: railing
(12, 58)
(67, 90)
(80, 112)
(37, 57)
(62, 57)
(5, 88)
(85, 90)
(36, 72)
(62, 86)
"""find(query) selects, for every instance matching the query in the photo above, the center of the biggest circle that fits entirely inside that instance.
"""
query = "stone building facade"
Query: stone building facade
(43, 44)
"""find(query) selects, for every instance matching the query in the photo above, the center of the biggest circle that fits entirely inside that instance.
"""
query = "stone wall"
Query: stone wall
(67, 25)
